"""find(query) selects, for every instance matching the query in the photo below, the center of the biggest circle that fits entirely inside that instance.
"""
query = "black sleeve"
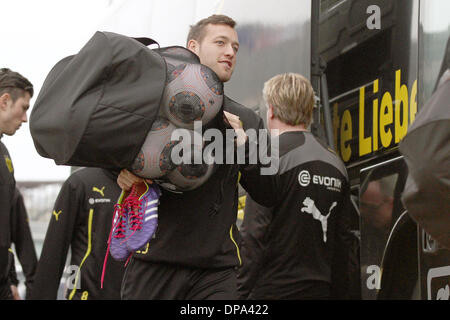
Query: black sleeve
(340, 278)
(57, 241)
(5, 239)
(260, 171)
(256, 222)
(7, 184)
(12, 277)
(22, 239)
(3, 271)
(4, 233)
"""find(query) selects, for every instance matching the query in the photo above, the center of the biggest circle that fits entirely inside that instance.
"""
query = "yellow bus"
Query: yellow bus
(374, 65)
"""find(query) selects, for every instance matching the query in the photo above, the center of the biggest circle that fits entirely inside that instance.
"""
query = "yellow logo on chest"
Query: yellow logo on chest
(56, 214)
(95, 189)
(9, 164)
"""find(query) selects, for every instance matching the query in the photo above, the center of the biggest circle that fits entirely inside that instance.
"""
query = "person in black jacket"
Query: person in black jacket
(298, 248)
(23, 241)
(426, 194)
(195, 249)
(15, 94)
(81, 221)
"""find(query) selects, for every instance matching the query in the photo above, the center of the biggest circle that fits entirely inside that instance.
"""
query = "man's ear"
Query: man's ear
(193, 45)
(4, 98)
(270, 111)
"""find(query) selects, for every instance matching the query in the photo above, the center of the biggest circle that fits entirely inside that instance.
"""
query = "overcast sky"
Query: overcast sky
(36, 34)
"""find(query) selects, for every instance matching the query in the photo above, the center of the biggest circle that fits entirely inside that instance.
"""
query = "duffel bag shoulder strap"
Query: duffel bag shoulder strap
(147, 41)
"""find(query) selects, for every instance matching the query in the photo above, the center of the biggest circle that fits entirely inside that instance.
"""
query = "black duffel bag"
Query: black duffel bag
(95, 108)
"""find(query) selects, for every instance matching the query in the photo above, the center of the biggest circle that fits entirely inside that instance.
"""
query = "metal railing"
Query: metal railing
(39, 198)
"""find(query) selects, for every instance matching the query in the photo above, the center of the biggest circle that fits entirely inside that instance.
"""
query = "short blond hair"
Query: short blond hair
(292, 98)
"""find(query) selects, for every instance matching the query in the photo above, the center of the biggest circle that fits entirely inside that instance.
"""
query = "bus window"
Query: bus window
(434, 33)
(371, 75)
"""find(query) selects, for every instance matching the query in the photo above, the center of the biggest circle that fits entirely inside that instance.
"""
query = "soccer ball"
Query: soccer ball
(193, 166)
(193, 93)
(154, 159)
(174, 157)
(190, 176)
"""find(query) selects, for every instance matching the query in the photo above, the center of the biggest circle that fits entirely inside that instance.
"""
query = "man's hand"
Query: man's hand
(126, 179)
(15, 292)
(236, 123)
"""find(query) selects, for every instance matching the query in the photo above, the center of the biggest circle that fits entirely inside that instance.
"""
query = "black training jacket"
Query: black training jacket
(198, 228)
(81, 219)
(22, 239)
(304, 236)
(7, 187)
